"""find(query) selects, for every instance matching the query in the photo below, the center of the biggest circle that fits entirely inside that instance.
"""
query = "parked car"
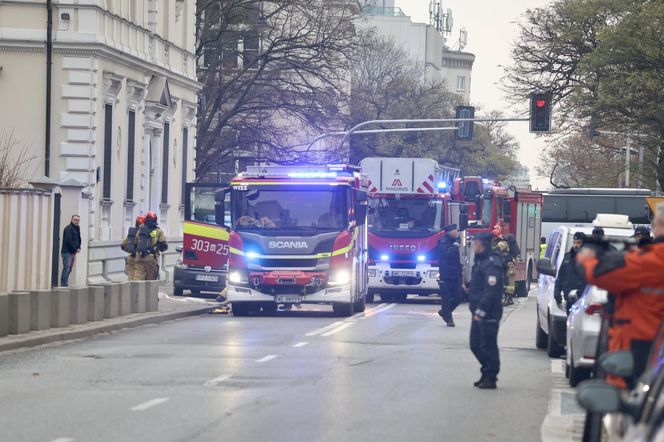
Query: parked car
(551, 331)
(197, 279)
(583, 327)
(637, 415)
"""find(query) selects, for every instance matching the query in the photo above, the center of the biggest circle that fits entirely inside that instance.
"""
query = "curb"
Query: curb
(68, 335)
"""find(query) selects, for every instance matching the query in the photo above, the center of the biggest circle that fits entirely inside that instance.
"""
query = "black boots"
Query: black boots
(486, 383)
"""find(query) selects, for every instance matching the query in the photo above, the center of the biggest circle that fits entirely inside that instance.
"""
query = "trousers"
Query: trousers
(484, 345)
(130, 267)
(146, 268)
(450, 295)
(67, 264)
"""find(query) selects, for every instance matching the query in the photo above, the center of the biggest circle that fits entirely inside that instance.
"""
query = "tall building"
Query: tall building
(120, 125)
(457, 71)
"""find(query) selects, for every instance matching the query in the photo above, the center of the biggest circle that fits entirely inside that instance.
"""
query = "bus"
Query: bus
(580, 206)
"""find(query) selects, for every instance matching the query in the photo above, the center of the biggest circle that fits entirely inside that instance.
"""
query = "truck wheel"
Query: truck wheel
(553, 349)
(240, 309)
(360, 305)
(529, 276)
(540, 336)
(343, 309)
(178, 291)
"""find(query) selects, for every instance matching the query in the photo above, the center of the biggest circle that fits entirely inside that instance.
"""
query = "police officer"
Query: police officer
(449, 267)
(129, 245)
(151, 241)
(485, 302)
(569, 276)
(502, 247)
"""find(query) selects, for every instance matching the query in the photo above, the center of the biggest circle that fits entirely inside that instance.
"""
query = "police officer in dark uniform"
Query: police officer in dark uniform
(485, 302)
(569, 276)
(449, 266)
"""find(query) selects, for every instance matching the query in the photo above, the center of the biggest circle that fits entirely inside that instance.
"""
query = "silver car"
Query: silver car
(583, 326)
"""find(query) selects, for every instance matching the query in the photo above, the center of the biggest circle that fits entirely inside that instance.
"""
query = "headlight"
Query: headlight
(180, 264)
(373, 272)
(384, 257)
(339, 277)
(237, 277)
(421, 258)
(434, 274)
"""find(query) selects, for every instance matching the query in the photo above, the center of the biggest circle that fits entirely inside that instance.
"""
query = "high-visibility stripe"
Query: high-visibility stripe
(428, 186)
(206, 231)
(652, 291)
(235, 251)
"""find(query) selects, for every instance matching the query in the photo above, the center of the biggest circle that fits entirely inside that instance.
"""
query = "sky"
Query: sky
(492, 27)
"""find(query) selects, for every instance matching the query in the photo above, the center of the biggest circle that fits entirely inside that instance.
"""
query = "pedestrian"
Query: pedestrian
(570, 276)
(642, 234)
(542, 248)
(501, 246)
(150, 242)
(71, 246)
(449, 271)
(485, 303)
(129, 245)
(636, 281)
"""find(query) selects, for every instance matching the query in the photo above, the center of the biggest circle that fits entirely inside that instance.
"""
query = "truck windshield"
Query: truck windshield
(295, 209)
(407, 214)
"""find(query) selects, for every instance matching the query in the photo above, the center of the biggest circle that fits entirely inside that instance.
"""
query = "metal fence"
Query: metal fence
(26, 239)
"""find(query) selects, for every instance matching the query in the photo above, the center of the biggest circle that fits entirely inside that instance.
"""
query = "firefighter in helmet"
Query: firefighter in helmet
(500, 245)
(150, 242)
(129, 246)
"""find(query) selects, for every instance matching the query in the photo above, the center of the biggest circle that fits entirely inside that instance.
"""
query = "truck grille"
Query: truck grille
(287, 263)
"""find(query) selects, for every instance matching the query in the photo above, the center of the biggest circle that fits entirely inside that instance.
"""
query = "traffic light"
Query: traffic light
(540, 112)
(465, 128)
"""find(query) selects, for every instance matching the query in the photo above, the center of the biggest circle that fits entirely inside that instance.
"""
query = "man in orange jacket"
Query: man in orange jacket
(636, 280)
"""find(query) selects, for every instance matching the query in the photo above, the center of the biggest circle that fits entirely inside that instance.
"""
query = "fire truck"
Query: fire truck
(483, 204)
(296, 235)
(407, 200)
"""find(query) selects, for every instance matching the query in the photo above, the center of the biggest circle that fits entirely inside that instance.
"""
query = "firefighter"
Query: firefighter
(150, 242)
(636, 281)
(569, 276)
(501, 246)
(129, 246)
(542, 248)
(485, 303)
(449, 269)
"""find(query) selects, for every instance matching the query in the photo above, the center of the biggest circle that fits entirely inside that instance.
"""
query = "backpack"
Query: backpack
(131, 241)
(514, 250)
(144, 242)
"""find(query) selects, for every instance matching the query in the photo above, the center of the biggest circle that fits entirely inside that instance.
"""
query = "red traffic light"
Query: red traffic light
(540, 103)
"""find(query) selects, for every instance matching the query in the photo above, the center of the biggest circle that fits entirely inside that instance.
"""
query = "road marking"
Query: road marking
(300, 344)
(557, 367)
(379, 310)
(266, 358)
(64, 439)
(338, 329)
(216, 381)
(318, 331)
(149, 404)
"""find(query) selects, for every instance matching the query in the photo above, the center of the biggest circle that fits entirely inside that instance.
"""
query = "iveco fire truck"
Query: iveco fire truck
(297, 235)
(407, 197)
(517, 211)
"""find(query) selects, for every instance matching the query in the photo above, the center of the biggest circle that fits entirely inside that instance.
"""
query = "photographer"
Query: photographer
(636, 280)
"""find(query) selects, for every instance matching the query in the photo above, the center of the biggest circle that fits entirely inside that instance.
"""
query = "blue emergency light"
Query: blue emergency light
(384, 257)
(312, 175)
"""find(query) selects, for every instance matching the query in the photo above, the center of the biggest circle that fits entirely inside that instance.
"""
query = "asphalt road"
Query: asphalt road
(394, 373)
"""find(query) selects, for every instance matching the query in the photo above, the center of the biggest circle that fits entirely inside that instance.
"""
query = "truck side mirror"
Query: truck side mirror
(220, 206)
(361, 214)
(463, 221)
(618, 363)
(596, 396)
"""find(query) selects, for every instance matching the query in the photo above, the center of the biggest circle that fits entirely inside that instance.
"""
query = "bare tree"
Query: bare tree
(274, 71)
(15, 161)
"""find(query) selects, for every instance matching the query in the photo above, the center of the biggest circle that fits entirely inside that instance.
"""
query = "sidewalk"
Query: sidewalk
(170, 308)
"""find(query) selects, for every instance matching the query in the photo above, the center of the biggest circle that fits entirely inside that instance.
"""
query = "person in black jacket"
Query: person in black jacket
(449, 267)
(71, 245)
(569, 276)
(486, 306)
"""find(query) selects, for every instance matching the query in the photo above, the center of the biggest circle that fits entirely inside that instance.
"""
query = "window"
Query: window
(461, 83)
(164, 164)
(250, 48)
(131, 147)
(108, 151)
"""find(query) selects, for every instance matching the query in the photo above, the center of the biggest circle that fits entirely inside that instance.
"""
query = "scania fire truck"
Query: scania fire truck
(516, 211)
(297, 235)
(407, 197)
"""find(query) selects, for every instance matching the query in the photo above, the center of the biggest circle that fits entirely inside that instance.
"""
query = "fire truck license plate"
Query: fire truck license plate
(401, 273)
(289, 299)
(211, 278)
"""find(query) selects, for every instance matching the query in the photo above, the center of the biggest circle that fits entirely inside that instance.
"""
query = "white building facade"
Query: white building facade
(458, 70)
(122, 113)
